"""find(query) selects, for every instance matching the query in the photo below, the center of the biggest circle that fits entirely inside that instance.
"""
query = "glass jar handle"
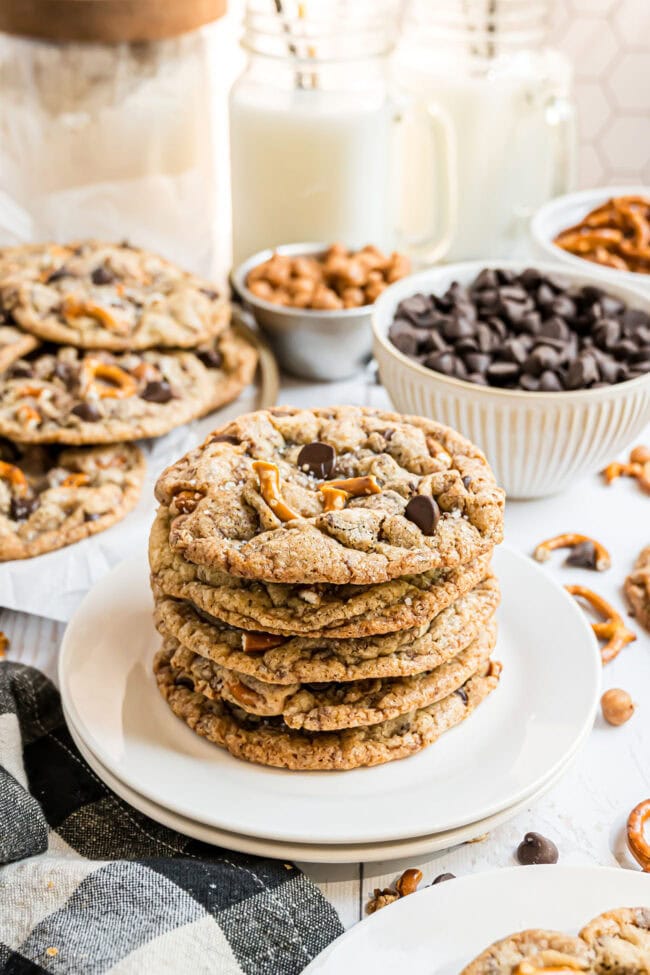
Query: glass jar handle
(433, 247)
(560, 117)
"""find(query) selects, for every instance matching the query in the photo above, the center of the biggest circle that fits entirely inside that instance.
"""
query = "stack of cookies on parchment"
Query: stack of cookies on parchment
(323, 587)
(100, 344)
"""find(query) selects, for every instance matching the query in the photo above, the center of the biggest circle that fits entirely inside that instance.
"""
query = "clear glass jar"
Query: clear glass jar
(507, 98)
(313, 126)
(111, 140)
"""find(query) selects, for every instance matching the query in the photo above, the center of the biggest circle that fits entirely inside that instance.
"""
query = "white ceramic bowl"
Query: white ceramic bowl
(564, 212)
(537, 443)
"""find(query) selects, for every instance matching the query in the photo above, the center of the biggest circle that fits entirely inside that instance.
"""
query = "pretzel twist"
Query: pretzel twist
(269, 478)
(616, 234)
(570, 540)
(612, 630)
(15, 478)
(115, 383)
(636, 840)
(73, 307)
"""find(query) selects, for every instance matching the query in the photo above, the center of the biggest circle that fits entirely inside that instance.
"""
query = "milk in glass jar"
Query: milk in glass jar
(507, 98)
(313, 127)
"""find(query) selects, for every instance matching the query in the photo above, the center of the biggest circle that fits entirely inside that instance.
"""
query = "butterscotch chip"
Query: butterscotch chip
(268, 741)
(235, 527)
(108, 296)
(51, 497)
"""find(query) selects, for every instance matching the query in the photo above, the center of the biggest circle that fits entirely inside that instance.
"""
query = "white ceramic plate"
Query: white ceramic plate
(518, 738)
(308, 853)
(441, 929)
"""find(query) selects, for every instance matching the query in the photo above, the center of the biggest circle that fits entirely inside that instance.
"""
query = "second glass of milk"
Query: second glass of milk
(314, 129)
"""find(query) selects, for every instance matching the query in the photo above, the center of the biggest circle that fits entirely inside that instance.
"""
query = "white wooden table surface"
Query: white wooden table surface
(585, 812)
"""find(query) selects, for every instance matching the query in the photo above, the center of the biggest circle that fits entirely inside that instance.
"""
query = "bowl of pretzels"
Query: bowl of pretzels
(608, 227)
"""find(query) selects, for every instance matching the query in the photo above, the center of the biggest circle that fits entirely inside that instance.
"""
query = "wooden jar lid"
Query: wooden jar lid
(109, 21)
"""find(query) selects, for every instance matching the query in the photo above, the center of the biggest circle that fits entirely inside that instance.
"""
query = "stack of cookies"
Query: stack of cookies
(99, 344)
(323, 588)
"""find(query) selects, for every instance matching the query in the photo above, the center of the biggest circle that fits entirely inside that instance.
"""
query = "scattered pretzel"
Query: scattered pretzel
(75, 308)
(405, 885)
(638, 467)
(570, 540)
(15, 478)
(638, 844)
(269, 476)
(115, 382)
(613, 630)
(616, 234)
(256, 642)
(75, 480)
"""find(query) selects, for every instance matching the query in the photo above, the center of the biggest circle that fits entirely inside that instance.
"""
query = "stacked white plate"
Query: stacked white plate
(507, 754)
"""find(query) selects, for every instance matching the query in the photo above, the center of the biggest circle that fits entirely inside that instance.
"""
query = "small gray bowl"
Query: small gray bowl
(313, 344)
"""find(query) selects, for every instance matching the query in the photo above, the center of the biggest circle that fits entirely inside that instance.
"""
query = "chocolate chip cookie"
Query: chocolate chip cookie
(289, 660)
(333, 706)
(620, 941)
(96, 295)
(341, 496)
(14, 344)
(307, 610)
(637, 588)
(269, 741)
(67, 396)
(51, 497)
(533, 951)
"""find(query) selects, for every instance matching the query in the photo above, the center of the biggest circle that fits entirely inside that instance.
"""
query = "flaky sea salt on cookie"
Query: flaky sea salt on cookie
(108, 296)
(340, 495)
(287, 660)
(51, 497)
(67, 396)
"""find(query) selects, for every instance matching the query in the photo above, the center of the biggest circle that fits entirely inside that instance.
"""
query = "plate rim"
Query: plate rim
(286, 835)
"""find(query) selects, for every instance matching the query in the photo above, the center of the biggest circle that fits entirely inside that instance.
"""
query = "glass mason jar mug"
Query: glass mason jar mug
(507, 99)
(314, 129)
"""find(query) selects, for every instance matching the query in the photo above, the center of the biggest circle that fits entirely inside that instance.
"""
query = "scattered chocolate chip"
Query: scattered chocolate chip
(102, 275)
(424, 512)
(536, 848)
(157, 391)
(225, 438)
(87, 412)
(317, 458)
(582, 556)
(442, 877)
(210, 357)
(21, 508)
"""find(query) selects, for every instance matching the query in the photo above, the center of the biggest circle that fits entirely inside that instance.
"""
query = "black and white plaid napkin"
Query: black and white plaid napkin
(90, 885)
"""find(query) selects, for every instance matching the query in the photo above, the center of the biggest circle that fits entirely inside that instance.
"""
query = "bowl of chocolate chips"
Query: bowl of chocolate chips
(549, 372)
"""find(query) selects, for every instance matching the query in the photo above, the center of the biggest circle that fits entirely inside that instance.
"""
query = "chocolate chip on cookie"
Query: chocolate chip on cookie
(424, 512)
(317, 458)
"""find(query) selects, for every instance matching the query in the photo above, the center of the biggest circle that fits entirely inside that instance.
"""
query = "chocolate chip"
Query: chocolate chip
(404, 337)
(317, 458)
(424, 512)
(459, 328)
(466, 482)
(536, 848)
(157, 391)
(225, 438)
(442, 877)
(210, 293)
(415, 307)
(20, 370)
(487, 278)
(582, 373)
(549, 382)
(87, 412)
(502, 373)
(210, 357)
(529, 382)
(477, 361)
(58, 274)
(67, 374)
(582, 556)
(462, 694)
(444, 362)
(21, 508)
(477, 378)
(91, 515)
(102, 275)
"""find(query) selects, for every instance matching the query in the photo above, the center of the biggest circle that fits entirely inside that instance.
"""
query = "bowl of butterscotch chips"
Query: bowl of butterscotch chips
(314, 303)
(606, 230)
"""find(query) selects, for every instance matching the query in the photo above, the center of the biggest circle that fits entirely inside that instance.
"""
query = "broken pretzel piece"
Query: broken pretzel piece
(75, 480)
(638, 844)
(14, 477)
(638, 467)
(613, 630)
(75, 308)
(591, 554)
(114, 383)
(336, 493)
(252, 642)
(269, 477)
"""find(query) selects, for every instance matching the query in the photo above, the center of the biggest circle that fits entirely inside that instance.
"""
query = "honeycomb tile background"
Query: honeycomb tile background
(608, 42)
